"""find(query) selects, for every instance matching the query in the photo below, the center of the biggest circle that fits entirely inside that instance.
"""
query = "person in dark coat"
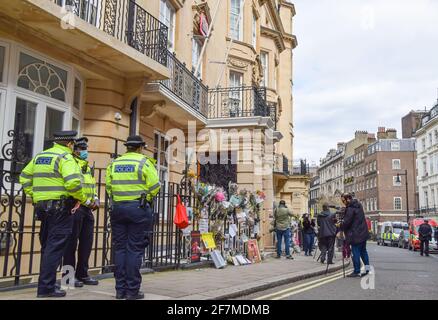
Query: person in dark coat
(356, 233)
(326, 221)
(308, 234)
(425, 235)
(436, 237)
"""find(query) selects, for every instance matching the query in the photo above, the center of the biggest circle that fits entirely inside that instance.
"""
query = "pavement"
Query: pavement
(203, 284)
(399, 274)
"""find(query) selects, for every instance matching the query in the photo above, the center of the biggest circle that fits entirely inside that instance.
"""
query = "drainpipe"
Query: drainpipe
(133, 117)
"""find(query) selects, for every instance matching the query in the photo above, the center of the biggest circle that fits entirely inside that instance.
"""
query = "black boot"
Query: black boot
(58, 293)
(138, 296)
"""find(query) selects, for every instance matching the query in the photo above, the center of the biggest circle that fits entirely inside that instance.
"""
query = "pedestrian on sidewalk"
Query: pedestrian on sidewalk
(282, 222)
(308, 234)
(425, 235)
(356, 232)
(326, 221)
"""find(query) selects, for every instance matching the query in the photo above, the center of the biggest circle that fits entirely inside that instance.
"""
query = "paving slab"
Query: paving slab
(202, 284)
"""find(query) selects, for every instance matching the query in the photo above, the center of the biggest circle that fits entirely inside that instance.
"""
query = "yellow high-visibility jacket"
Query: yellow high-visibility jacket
(52, 174)
(130, 176)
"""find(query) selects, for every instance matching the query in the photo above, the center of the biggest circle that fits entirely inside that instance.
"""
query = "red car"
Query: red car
(414, 243)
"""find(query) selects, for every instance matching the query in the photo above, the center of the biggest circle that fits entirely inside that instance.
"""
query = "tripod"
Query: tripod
(329, 249)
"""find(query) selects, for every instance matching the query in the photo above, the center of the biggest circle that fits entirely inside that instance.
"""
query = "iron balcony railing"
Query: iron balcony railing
(234, 102)
(301, 168)
(186, 86)
(126, 21)
(281, 164)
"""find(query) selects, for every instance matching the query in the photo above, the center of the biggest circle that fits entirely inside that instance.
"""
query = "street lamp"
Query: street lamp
(407, 193)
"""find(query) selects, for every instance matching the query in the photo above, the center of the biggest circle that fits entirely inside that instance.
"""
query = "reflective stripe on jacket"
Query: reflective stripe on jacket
(52, 174)
(130, 176)
(89, 183)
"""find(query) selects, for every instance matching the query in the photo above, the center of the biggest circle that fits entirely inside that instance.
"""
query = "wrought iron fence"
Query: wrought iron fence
(19, 229)
(238, 102)
(20, 249)
(186, 86)
(126, 21)
(427, 211)
(281, 164)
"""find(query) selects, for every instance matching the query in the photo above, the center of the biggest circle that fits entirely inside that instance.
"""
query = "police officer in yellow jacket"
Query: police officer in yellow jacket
(131, 182)
(53, 180)
(83, 224)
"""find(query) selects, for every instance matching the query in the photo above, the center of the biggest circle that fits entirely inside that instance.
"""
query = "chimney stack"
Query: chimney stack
(391, 133)
(381, 133)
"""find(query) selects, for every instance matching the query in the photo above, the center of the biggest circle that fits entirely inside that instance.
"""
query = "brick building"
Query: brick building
(411, 123)
(384, 195)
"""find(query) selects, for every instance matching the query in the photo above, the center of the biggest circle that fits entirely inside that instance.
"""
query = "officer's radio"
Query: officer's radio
(143, 200)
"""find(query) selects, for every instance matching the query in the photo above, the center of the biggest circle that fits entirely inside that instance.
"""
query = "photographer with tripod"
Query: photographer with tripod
(326, 221)
(356, 233)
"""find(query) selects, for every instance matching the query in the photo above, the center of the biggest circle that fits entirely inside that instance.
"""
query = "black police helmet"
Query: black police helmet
(135, 141)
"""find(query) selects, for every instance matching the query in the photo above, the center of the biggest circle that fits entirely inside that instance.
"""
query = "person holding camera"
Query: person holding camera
(282, 224)
(308, 234)
(326, 222)
(356, 233)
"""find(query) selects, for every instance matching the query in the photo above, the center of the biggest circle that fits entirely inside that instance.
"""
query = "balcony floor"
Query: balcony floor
(39, 23)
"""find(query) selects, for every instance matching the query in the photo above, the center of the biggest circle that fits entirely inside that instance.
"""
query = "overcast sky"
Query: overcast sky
(360, 64)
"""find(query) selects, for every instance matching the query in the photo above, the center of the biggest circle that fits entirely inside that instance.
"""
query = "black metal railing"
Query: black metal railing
(301, 168)
(186, 86)
(281, 164)
(273, 113)
(427, 211)
(126, 21)
(20, 249)
(238, 102)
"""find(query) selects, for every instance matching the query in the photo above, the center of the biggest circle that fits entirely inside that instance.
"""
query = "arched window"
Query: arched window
(38, 96)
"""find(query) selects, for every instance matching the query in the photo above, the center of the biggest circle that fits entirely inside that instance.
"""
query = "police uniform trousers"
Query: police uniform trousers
(83, 228)
(131, 226)
(56, 228)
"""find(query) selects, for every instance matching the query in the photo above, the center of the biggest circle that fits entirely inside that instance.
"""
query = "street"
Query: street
(399, 275)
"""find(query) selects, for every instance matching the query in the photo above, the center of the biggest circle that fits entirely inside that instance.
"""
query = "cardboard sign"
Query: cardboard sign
(195, 246)
(218, 260)
(253, 251)
(208, 240)
(203, 225)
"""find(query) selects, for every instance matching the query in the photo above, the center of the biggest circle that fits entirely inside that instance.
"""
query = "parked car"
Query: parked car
(414, 243)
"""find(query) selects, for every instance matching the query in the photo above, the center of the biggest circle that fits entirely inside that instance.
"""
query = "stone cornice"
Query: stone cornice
(275, 35)
(289, 5)
(291, 38)
(276, 20)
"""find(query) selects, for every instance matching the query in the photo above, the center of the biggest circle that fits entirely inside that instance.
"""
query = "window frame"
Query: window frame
(170, 8)
(198, 54)
(395, 143)
(6, 64)
(401, 203)
(265, 67)
(158, 151)
(11, 91)
(239, 20)
(395, 183)
(396, 167)
(254, 31)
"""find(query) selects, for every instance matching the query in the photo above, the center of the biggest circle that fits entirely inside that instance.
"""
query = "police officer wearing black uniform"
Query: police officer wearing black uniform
(81, 239)
(53, 180)
(131, 182)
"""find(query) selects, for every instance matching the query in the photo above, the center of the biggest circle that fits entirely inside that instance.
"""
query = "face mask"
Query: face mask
(83, 154)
